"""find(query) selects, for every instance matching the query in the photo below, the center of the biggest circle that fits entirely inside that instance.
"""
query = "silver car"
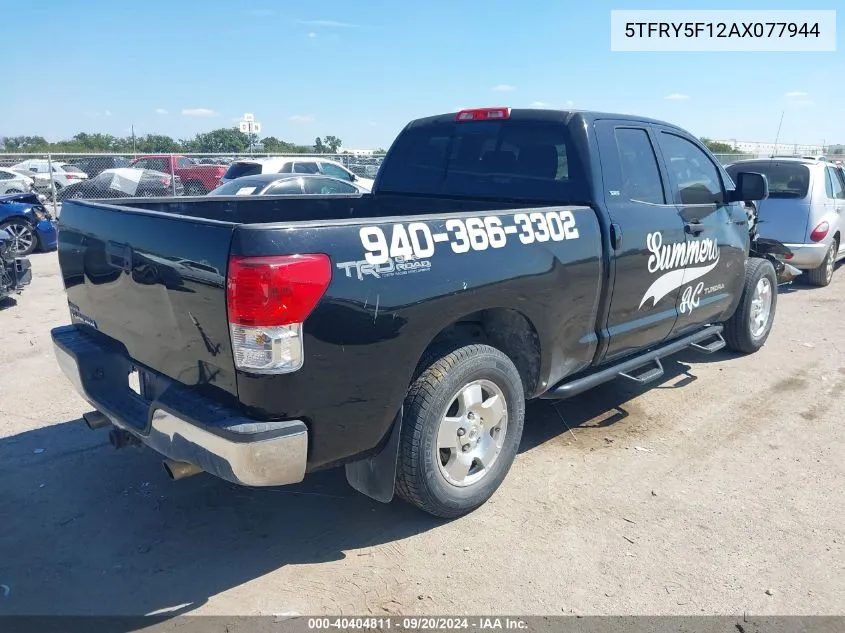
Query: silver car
(803, 211)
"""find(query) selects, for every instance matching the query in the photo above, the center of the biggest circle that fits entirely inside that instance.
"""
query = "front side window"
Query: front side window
(837, 189)
(696, 177)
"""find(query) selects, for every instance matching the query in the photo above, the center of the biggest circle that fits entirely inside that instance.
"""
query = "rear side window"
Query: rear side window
(529, 160)
(328, 186)
(786, 180)
(290, 187)
(242, 187)
(236, 170)
(641, 181)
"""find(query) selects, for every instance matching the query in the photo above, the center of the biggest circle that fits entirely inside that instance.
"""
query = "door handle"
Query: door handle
(694, 227)
(615, 236)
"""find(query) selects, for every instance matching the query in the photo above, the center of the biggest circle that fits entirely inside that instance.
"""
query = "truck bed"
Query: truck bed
(150, 277)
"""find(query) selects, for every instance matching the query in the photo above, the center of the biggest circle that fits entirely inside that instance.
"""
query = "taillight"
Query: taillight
(484, 114)
(268, 299)
(820, 232)
(72, 176)
(165, 180)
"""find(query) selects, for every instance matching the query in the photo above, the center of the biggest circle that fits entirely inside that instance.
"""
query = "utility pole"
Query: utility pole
(134, 152)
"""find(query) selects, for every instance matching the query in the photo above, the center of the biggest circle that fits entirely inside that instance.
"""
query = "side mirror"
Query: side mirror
(750, 186)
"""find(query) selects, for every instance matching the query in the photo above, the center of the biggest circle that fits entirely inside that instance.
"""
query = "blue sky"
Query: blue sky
(361, 70)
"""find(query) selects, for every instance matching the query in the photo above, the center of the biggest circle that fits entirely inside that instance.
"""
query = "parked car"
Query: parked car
(38, 169)
(15, 182)
(94, 165)
(293, 165)
(803, 211)
(197, 179)
(29, 225)
(503, 255)
(290, 184)
(125, 182)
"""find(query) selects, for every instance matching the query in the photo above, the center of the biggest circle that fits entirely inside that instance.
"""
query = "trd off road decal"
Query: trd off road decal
(682, 262)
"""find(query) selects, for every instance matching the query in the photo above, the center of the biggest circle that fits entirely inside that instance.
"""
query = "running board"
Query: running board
(626, 369)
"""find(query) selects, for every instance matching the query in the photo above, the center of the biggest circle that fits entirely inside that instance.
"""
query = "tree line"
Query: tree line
(223, 140)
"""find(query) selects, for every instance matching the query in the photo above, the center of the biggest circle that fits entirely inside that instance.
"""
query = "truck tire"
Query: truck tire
(823, 275)
(465, 408)
(749, 327)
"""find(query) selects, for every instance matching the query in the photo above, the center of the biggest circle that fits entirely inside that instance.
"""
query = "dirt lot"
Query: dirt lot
(717, 491)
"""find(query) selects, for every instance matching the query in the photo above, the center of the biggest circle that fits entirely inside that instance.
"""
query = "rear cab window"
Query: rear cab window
(516, 159)
(786, 179)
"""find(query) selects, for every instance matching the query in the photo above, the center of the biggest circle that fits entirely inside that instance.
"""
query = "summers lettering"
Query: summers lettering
(679, 254)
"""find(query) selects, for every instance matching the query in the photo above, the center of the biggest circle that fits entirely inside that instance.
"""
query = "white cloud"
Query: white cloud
(161, 111)
(795, 94)
(198, 112)
(539, 104)
(503, 88)
(302, 118)
(333, 24)
(802, 102)
(570, 103)
(108, 113)
(312, 35)
(677, 96)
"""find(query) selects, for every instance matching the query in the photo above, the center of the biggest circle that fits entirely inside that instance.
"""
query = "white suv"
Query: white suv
(293, 165)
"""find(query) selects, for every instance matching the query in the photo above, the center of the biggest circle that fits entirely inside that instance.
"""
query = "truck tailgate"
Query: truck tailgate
(155, 283)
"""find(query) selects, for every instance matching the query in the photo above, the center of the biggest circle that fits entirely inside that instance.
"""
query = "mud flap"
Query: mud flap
(376, 475)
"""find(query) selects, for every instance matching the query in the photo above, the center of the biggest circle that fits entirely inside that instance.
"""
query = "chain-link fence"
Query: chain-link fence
(57, 177)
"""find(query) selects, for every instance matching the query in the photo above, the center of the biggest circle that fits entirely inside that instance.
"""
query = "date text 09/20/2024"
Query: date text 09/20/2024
(422, 623)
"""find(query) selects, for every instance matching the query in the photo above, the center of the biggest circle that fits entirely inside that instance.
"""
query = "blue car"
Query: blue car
(28, 222)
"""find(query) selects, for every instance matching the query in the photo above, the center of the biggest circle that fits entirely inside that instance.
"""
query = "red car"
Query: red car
(198, 179)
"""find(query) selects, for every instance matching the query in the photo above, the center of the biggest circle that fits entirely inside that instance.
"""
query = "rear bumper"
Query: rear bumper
(807, 256)
(177, 423)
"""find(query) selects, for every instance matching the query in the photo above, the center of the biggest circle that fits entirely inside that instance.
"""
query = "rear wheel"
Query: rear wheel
(461, 429)
(749, 327)
(23, 235)
(823, 275)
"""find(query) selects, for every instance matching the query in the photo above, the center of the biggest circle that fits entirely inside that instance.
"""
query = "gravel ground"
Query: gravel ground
(717, 491)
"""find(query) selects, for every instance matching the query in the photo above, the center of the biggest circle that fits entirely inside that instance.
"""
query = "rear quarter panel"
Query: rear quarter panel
(366, 336)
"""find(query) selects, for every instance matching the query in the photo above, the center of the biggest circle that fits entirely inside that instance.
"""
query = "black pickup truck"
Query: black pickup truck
(503, 255)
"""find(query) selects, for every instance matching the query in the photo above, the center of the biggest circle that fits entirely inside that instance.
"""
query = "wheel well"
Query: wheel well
(505, 329)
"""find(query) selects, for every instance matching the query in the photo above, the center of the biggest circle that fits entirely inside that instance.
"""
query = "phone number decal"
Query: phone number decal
(415, 240)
